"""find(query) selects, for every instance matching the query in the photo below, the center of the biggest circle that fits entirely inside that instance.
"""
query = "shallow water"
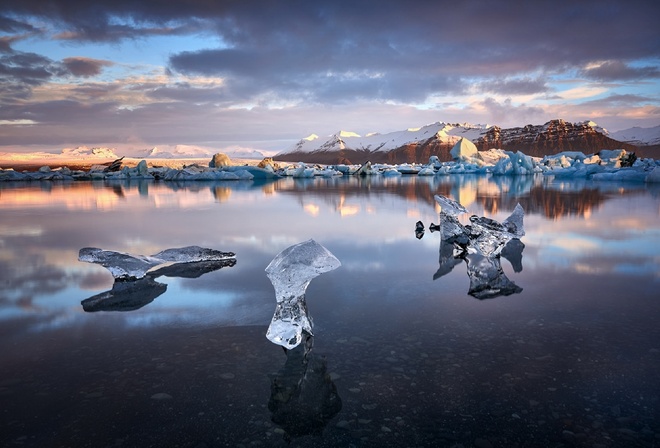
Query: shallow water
(402, 355)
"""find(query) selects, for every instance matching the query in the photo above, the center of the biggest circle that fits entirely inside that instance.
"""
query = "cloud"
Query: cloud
(85, 67)
(506, 111)
(9, 25)
(21, 71)
(619, 71)
(319, 66)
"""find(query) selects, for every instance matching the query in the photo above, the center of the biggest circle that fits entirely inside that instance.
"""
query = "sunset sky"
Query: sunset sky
(263, 74)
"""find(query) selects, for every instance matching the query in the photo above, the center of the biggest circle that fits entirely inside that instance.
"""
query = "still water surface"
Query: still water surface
(402, 354)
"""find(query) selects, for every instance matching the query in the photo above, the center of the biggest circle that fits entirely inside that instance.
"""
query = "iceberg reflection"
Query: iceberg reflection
(303, 397)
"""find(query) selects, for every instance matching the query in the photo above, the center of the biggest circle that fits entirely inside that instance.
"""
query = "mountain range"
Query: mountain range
(418, 144)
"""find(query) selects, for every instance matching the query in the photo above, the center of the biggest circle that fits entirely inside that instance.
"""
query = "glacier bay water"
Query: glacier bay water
(569, 358)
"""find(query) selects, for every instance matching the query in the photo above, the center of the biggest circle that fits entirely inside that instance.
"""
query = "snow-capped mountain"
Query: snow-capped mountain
(82, 152)
(446, 132)
(638, 136)
(196, 152)
(177, 152)
(418, 144)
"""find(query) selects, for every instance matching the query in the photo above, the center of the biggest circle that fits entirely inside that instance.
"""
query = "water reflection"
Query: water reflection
(130, 295)
(537, 194)
(556, 362)
(303, 397)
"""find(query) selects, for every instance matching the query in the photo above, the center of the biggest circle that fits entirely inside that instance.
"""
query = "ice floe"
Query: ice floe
(606, 165)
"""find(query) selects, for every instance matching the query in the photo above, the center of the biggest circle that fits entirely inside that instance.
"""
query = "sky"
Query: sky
(264, 74)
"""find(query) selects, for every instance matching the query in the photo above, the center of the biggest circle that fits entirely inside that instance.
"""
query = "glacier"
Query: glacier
(290, 272)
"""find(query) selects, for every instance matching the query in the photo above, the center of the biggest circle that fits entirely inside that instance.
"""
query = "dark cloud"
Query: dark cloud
(620, 71)
(523, 86)
(371, 34)
(85, 67)
(622, 101)
(341, 54)
(21, 71)
(9, 25)
(5, 43)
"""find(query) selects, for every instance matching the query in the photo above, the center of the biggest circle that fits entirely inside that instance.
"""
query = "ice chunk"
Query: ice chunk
(489, 237)
(464, 149)
(290, 272)
(514, 223)
(449, 226)
(449, 206)
(125, 266)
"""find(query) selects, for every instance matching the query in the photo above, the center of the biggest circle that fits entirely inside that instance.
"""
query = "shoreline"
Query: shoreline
(34, 164)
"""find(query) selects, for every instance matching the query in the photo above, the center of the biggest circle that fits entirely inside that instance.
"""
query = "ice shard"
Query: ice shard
(489, 237)
(449, 206)
(449, 226)
(514, 223)
(125, 266)
(290, 272)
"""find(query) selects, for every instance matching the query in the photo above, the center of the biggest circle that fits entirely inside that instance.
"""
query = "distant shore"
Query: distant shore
(85, 164)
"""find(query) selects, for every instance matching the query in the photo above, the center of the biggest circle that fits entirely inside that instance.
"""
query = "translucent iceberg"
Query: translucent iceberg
(290, 272)
(125, 266)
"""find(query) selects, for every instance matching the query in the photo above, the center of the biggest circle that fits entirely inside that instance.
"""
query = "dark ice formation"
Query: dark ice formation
(129, 295)
(480, 244)
(125, 296)
(303, 397)
(419, 230)
(290, 272)
(487, 279)
(125, 266)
